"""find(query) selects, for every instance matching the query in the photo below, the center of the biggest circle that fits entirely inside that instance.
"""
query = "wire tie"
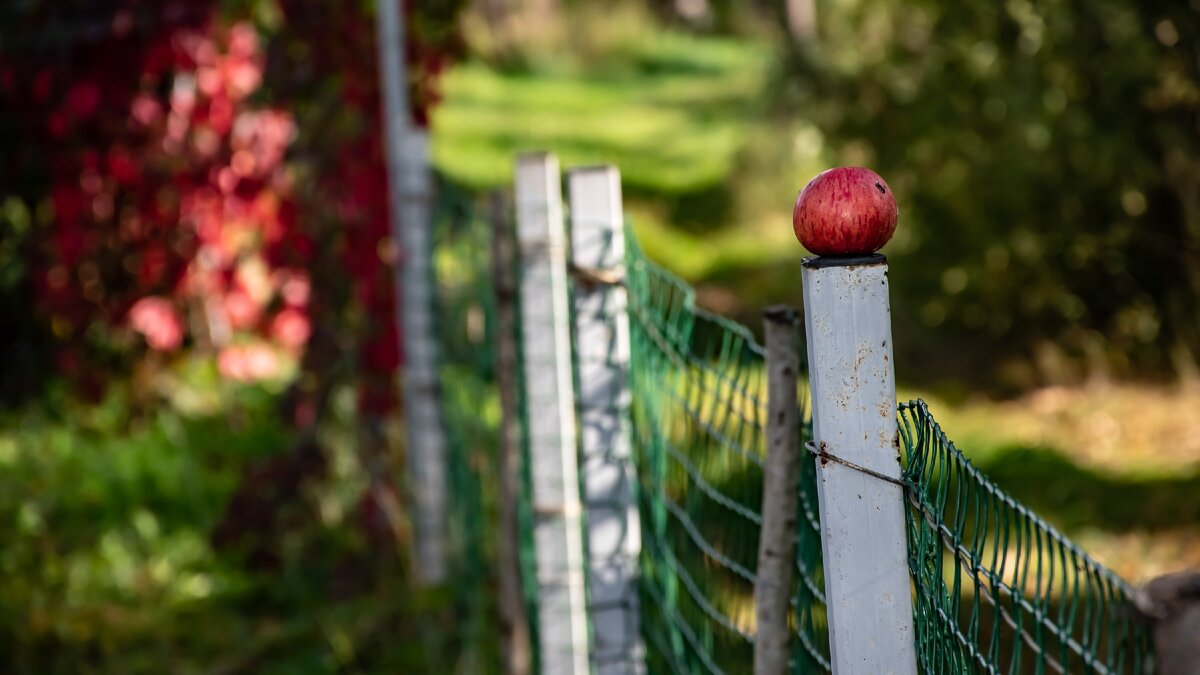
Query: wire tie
(590, 276)
(824, 454)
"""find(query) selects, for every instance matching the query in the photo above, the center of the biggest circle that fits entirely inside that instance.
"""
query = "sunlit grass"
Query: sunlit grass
(672, 114)
(1116, 467)
(704, 256)
(708, 174)
(108, 545)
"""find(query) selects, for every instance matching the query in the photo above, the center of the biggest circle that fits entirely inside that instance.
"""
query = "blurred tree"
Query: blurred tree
(147, 187)
(91, 191)
(343, 198)
(188, 178)
(1048, 163)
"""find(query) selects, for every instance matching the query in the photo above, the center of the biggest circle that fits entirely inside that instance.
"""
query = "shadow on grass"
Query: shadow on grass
(1074, 496)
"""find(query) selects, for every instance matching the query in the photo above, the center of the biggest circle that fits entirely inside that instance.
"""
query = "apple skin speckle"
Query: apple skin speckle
(847, 211)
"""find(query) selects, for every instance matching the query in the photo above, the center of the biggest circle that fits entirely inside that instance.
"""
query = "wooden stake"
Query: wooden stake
(777, 537)
(514, 623)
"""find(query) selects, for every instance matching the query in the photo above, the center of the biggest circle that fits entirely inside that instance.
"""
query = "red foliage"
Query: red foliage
(169, 144)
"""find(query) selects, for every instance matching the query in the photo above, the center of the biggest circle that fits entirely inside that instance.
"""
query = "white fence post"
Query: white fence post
(780, 501)
(410, 182)
(849, 330)
(602, 347)
(550, 407)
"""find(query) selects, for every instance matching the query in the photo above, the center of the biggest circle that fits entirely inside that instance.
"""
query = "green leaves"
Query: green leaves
(1050, 135)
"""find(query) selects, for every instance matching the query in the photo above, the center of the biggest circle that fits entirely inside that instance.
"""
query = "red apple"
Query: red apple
(847, 211)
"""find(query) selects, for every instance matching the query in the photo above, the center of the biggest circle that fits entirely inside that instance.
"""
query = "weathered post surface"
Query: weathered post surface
(514, 624)
(550, 406)
(603, 348)
(410, 183)
(849, 331)
(777, 536)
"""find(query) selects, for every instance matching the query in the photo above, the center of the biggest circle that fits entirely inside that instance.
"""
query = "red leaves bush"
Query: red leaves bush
(196, 177)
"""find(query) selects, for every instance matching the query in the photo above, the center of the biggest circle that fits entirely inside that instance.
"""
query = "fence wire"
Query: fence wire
(464, 315)
(699, 418)
(811, 651)
(997, 589)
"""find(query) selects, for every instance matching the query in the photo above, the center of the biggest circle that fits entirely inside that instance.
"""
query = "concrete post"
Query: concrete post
(849, 330)
(550, 406)
(602, 347)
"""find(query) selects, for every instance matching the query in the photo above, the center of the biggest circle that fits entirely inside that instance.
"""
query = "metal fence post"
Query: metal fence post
(603, 349)
(849, 330)
(550, 406)
(410, 182)
(777, 538)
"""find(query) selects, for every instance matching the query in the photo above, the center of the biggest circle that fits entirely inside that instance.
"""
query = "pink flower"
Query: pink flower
(265, 136)
(220, 114)
(155, 318)
(248, 363)
(146, 110)
(291, 328)
(294, 287)
(243, 40)
(243, 77)
(241, 309)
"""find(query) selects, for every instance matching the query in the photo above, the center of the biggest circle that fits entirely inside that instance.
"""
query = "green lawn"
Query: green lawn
(672, 114)
(684, 119)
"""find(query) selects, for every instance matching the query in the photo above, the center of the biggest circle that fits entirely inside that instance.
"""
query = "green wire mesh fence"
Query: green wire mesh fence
(998, 590)
(465, 313)
(811, 651)
(464, 309)
(699, 414)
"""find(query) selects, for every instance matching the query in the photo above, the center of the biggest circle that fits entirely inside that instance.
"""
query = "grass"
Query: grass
(672, 113)
(1116, 467)
(683, 117)
(112, 568)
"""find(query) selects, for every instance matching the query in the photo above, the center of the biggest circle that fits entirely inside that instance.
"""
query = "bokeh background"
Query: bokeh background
(200, 447)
